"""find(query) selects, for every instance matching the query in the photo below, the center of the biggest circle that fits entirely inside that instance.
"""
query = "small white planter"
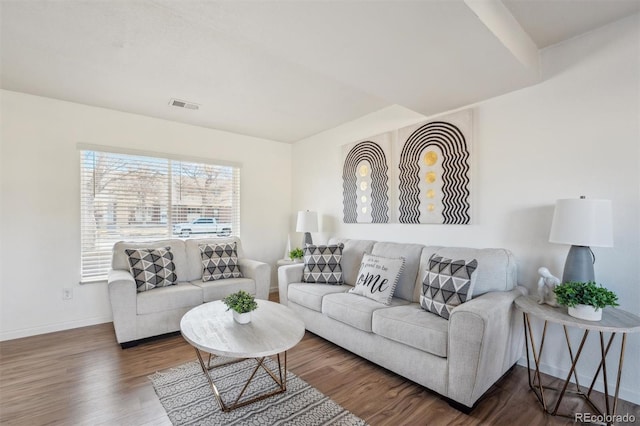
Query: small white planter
(242, 318)
(586, 312)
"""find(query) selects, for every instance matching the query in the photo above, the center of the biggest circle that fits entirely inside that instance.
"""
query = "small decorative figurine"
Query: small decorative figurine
(546, 284)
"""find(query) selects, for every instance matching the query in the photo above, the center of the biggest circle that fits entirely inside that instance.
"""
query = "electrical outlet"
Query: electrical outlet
(67, 293)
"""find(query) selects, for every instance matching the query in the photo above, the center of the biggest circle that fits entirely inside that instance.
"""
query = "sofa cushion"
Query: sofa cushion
(447, 283)
(310, 296)
(354, 310)
(414, 327)
(219, 289)
(322, 264)
(496, 267)
(120, 260)
(411, 254)
(378, 278)
(181, 295)
(352, 257)
(194, 259)
(219, 261)
(152, 267)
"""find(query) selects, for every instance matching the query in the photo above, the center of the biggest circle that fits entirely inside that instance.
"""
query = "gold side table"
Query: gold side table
(614, 321)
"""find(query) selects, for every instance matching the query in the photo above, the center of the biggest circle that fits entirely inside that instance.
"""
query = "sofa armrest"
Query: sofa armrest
(485, 340)
(260, 272)
(123, 298)
(286, 275)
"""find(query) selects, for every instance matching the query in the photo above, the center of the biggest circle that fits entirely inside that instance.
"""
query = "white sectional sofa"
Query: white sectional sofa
(138, 315)
(459, 358)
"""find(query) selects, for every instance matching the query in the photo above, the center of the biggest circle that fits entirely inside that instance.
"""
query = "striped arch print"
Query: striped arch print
(371, 153)
(455, 177)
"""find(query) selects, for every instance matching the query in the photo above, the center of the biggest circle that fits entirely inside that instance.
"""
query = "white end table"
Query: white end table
(285, 262)
(273, 330)
(614, 321)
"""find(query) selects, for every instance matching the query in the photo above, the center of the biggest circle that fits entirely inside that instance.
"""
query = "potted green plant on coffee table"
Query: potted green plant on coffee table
(585, 300)
(241, 303)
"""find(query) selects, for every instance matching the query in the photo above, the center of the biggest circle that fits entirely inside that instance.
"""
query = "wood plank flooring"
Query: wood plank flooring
(82, 377)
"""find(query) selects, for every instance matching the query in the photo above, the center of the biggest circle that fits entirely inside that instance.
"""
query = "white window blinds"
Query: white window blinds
(138, 198)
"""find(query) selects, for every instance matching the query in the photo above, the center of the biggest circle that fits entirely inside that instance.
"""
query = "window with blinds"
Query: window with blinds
(137, 198)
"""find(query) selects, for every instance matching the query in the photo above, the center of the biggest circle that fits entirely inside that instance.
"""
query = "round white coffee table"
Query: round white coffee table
(273, 330)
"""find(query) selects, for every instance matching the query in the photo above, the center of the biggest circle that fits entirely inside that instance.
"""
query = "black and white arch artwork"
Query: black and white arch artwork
(434, 171)
(366, 180)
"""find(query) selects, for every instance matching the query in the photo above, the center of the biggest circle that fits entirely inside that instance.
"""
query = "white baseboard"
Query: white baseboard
(627, 393)
(50, 328)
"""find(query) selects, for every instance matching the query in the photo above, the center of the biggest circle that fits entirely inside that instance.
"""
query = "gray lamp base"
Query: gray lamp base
(307, 239)
(579, 265)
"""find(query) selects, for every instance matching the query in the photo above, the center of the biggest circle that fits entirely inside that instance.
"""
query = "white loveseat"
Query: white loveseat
(138, 315)
(459, 358)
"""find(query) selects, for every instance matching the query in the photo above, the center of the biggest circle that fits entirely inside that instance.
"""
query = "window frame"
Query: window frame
(236, 201)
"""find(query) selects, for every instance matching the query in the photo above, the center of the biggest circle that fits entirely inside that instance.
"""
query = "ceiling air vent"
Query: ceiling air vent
(183, 104)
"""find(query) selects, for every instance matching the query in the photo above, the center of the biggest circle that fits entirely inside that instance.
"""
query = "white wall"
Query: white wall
(577, 133)
(39, 210)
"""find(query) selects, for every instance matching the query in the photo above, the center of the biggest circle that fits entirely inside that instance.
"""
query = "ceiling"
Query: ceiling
(280, 70)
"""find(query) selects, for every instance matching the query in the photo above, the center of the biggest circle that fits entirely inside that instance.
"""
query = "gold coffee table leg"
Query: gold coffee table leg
(280, 380)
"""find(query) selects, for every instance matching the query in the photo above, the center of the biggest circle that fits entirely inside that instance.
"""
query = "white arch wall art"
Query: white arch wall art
(419, 174)
(433, 161)
(366, 180)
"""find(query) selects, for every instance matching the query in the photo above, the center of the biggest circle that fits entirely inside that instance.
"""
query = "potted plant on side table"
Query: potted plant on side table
(296, 254)
(585, 300)
(241, 303)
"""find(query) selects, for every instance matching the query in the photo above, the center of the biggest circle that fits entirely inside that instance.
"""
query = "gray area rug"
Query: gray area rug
(188, 400)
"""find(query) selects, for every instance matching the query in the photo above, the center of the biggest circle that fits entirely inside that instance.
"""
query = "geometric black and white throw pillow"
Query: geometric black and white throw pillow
(219, 261)
(447, 284)
(322, 264)
(152, 268)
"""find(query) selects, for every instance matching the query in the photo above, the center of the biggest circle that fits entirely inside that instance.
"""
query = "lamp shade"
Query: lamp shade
(582, 222)
(307, 222)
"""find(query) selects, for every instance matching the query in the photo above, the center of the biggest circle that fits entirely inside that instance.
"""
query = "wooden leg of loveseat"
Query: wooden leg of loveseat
(460, 407)
(130, 344)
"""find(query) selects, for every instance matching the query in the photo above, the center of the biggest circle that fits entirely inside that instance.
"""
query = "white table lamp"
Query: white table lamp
(307, 223)
(582, 223)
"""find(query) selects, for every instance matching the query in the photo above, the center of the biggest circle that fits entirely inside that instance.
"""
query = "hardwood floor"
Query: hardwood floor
(82, 377)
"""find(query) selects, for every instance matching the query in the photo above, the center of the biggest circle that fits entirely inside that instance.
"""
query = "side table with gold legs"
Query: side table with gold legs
(614, 321)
